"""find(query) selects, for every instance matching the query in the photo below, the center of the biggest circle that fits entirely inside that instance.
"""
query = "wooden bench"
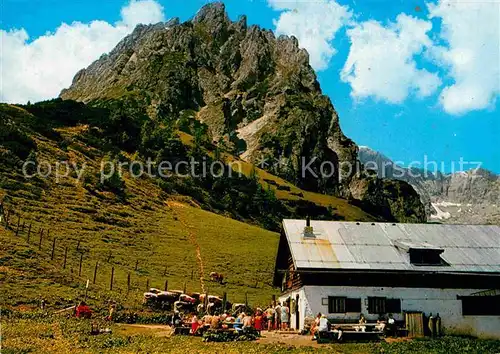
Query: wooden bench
(361, 336)
(182, 330)
(349, 333)
(369, 327)
(327, 337)
(401, 332)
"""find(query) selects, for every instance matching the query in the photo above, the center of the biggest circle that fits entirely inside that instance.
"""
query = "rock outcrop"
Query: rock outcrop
(256, 93)
(463, 197)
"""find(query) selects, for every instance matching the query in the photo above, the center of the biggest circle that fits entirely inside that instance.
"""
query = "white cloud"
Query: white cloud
(472, 55)
(314, 23)
(40, 69)
(142, 11)
(381, 60)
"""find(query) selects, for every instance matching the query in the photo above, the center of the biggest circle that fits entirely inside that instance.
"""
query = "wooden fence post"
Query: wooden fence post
(205, 302)
(111, 281)
(53, 249)
(246, 299)
(65, 256)
(147, 284)
(95, 271)
(128, 281)
(166, 285)
(18, 224)
(7, 217)
(40, 242)
(80, 266)
(29, 233)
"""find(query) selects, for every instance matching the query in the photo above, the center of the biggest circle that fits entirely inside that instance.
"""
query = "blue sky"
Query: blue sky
(408, 78)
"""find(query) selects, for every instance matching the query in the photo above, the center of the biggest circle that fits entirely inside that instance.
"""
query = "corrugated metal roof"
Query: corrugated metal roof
(378, 246)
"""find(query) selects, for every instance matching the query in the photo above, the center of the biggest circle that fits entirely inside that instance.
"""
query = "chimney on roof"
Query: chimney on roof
(308, 230)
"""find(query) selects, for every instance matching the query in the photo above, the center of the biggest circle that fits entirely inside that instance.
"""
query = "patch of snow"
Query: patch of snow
(448, 204)
(441, 215)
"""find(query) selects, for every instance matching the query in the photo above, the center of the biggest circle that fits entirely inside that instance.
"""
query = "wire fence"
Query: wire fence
(75, 259)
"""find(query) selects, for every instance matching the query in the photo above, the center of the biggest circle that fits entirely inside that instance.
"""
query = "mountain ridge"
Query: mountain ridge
(471, 196)
(256, 95)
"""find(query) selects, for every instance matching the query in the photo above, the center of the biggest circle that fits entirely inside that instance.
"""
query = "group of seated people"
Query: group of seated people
(321, 324)
(382, 324)
(242, 322)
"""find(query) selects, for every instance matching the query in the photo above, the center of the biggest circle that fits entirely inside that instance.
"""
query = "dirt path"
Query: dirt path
(143, 329)
(176, 207)
(292, 339)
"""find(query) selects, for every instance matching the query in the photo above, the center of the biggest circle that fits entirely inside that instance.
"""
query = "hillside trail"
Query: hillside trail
(176, 209)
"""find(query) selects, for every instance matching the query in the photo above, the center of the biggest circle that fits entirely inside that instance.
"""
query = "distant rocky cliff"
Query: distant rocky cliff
(463, 197)
(257, 95)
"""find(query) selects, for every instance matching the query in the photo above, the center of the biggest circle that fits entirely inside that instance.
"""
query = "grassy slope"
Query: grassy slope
(343, 208)
(150, 227)
(159, 231)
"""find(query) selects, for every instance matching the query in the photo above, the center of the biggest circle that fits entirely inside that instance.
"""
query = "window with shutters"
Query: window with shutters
(376, 305)
(380, 305)
(338, 304)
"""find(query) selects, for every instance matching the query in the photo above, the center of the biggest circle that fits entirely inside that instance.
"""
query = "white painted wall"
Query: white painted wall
(303, 307)
(442, 301)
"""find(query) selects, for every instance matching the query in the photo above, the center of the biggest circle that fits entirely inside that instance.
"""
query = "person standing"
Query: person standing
(277, 317)
(438, 326)
(431, 325)
(270, 317)
(112, 310)
(258, 320)
(285, 316)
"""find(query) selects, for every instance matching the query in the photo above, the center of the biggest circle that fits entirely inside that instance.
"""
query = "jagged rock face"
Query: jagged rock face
(391, 199)
(463, 197)
(235, 77)
(256, 93)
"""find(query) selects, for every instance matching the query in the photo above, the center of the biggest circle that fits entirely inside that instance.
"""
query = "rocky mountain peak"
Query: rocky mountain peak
(212, 14)
(253, 91)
